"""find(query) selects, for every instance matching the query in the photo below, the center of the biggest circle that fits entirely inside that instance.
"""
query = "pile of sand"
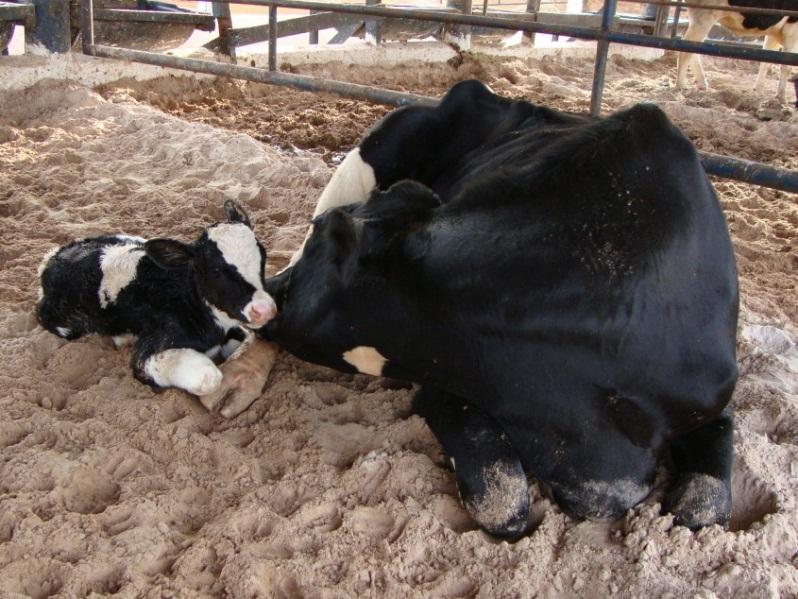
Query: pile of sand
(327, 486)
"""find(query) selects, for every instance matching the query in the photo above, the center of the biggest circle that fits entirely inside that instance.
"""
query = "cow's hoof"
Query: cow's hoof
(699, 500)
(498, 501)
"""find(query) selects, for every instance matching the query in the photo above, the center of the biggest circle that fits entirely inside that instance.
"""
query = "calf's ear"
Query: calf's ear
(235, 213)
(168, 253)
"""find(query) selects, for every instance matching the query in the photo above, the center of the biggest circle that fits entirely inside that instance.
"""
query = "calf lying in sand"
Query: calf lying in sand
(185, 304)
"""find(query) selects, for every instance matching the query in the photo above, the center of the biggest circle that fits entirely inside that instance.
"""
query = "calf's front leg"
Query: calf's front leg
(183, 367)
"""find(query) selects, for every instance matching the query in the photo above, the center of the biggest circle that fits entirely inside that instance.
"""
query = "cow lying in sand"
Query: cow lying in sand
(779, 32)
(185, 304)
(562, 288)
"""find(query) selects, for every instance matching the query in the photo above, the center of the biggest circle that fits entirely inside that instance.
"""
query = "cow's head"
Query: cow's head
(349, 283)
(229, 264)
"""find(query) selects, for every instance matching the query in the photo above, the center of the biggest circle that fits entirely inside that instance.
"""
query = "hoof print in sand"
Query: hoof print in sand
(752, 500)
(89, 491)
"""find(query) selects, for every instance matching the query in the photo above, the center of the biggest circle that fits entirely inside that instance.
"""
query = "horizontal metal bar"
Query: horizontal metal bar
(744, 53)
(748, 171)
(18, 12)
(205, 22)
(312, 84)
(260, 33)
(714, 164)
(753, 10)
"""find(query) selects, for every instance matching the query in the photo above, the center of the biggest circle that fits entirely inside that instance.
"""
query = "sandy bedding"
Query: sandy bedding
(327, 486)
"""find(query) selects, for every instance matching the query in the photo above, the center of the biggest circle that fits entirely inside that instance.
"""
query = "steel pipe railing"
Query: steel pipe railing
(710, 49)
(714, 164)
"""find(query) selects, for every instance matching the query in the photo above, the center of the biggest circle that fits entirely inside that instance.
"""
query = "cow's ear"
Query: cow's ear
(235, 213)
(168, 253)
(340, 236)
(404, 202)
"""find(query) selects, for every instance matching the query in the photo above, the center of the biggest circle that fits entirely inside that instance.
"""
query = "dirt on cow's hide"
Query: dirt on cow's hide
(328, 486)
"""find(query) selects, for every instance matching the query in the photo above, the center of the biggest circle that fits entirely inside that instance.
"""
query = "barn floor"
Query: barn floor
(327, 486)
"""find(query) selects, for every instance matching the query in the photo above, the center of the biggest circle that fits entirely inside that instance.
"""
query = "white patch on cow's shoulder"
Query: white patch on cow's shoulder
(184, 368)
(366, 359)
(118, 264)
(239, 248)
(63, 331)
(351, 183)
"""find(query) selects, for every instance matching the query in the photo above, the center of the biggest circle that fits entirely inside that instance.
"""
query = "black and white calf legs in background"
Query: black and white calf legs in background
(701, 494)
(490, 478)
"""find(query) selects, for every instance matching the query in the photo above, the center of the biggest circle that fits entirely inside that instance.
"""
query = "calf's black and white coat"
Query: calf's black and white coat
(184, 304)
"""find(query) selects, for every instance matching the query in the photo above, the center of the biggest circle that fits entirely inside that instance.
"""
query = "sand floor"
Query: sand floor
(327, 486)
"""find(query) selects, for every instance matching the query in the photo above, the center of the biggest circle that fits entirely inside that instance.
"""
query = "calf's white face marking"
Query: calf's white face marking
(239, 248)
(118, 264)
(184, 368)
(366, 359)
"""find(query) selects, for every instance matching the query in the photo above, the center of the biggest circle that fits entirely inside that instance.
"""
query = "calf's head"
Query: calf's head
(228, 263)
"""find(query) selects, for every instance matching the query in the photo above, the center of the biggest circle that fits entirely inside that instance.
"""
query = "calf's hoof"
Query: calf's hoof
(699, 500)
(208, 379)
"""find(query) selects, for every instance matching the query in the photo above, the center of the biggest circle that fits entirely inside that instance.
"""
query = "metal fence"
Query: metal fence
(721, 166)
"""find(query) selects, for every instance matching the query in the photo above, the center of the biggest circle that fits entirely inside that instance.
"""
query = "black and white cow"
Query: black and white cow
(779, 32)
(184, 304)
(562, 288)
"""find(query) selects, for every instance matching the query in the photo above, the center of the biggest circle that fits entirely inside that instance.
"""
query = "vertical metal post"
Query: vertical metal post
(459, 34)
(313, 34)
(602, 49)
(87, 25)
(373, 34)
(677, 14)
(221, 10)
(661, 21)
(273, 38)
(532, 7)
(52, 25)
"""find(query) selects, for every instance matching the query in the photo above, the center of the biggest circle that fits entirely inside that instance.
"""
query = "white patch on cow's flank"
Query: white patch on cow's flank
(63, 331)
(184, 368)
(351, 183)
(118, 264)
(239, 248)
(366, 359)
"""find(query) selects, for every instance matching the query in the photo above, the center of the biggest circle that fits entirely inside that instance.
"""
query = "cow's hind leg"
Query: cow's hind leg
(701, 495)
(490, 478)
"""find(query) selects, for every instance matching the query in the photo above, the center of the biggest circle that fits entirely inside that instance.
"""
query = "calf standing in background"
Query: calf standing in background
(779, 32)
(184, 303)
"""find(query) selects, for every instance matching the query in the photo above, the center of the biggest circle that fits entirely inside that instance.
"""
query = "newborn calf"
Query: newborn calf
(184, 304)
